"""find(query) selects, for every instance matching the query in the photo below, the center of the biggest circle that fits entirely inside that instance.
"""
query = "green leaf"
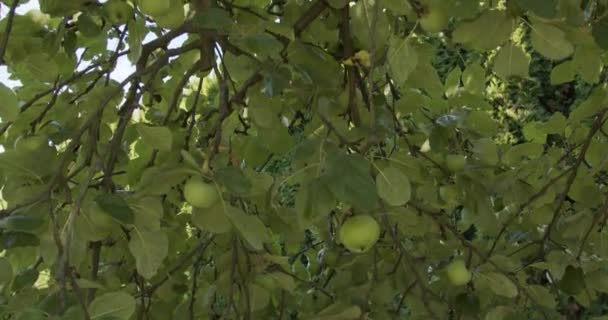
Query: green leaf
(339, 311)
(425, 77)
(393, 186)
(511, 60)
(159, 138)
(486, 150)
(149, 249)
(234, 180)
(148, 212)
(314, 201)
(402, 58)
(556, 124)
(25, 278)
(160, 179)
(600, 32)
(113, 305)
(23, 223)
(474, 79)
(10, 107)
(588, 63)
(349, 179)
(213, 18)
(212, 219)
(499, 284)
(260, 297)
(541, 8)
(115, 206)
(585, 191)
(488, 31)
(591, 106)
(135, 38)
(480, 122)
(563, 72)
(452, 82)
(12, 240)
(550, 41)
(398, 7)
(498, 313)
(535, 132)
(542, 296)
(250, 227)
(6, 271)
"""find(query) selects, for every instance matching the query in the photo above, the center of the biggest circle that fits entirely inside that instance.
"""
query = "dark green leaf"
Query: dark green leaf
(115, 206)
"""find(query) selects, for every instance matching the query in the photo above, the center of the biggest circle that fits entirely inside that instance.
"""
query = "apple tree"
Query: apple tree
(304, 159)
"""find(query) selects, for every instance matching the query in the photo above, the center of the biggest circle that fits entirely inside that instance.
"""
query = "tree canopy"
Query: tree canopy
(304, 159)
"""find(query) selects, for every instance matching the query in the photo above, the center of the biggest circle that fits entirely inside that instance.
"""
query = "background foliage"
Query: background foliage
(485, 142)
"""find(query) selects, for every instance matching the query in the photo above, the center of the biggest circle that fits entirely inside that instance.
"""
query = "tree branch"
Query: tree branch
(179, 88)
(200, 248)
(597, 125)
(7, 30)
(594, 224)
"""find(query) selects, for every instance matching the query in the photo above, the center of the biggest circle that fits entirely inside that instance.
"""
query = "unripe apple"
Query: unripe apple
(435, 20)
(173, 18)
(154, 8)
(118, 11)
(457, 273)
(359, 233)
(200, 194)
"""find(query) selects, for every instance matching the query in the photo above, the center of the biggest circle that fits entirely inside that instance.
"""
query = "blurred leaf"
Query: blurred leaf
(113, 305)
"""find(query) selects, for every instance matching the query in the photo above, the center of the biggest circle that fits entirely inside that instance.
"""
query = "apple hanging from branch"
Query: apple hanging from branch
(118, 11)
(154, 8)
(359, 233)
(457, 272)
(200, 194)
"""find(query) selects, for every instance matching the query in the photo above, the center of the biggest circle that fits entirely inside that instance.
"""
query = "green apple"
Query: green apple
(40, 18)
(435, 19)
(359, 233)
(173, 18)
(199, 193)
(154, 8)
(455, 162)
(118, 11)
(457, 273)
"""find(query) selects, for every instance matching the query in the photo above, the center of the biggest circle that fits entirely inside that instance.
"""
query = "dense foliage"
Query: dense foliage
(304, 159)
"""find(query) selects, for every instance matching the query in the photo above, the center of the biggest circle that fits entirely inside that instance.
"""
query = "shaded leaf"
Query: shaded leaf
(115, 206)
(149, 249)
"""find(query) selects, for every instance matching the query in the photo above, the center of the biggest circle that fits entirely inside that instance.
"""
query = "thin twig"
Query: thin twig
(594, 224)
(597, 125)
(178, 90)
(200, 247)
